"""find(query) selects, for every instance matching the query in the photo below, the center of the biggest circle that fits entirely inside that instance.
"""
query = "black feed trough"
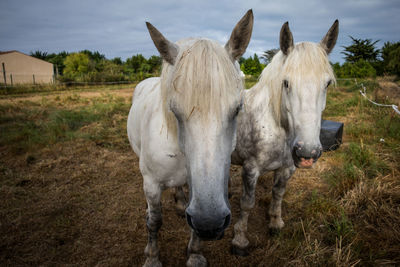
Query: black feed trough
(331, 135)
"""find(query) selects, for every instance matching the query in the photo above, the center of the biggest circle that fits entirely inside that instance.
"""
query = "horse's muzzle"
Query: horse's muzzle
(209, 231)
(304, 157)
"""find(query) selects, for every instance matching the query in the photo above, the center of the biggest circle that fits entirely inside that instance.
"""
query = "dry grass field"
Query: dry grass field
(71, 190)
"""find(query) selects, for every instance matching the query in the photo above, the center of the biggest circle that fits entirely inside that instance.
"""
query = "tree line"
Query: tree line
(362, 59)
(88, 66)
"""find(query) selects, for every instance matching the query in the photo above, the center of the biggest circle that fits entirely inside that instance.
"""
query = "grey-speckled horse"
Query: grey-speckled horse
(278, 129)
(182, 126)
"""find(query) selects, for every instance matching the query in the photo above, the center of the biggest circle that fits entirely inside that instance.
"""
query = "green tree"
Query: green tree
(269, 54)
(117, 60)
(361, 49)
(394, 63)
(134, 63)
(58, 61)
(155, 64)
(39, 54)
(359, 69)
(252, 66)
(391, 58)
(94, 56)
(77, 65)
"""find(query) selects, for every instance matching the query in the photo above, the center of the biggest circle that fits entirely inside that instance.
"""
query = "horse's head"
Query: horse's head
(305, 76)
(201, 88)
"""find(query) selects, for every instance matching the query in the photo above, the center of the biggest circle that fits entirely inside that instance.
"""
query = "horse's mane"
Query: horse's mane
(307, 62)
(202, 81)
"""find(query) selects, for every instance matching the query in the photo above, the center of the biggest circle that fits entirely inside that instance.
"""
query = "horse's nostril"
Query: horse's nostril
(317, 154)
(297, 150)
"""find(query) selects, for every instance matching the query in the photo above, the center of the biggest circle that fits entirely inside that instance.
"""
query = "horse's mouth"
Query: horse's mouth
(303, 163)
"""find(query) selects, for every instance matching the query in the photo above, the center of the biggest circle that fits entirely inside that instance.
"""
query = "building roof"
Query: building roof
(15, 51)
(7, 52)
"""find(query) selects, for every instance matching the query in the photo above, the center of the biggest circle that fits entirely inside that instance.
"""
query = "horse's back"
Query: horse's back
(145, 92)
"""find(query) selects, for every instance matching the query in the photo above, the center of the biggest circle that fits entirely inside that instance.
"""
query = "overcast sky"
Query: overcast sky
(117, 28)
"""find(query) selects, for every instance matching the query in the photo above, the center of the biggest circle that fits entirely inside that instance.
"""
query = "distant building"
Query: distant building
(17, 68)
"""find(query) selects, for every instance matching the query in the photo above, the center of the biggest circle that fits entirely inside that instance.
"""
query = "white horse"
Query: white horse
(279, 127)
(183, 128)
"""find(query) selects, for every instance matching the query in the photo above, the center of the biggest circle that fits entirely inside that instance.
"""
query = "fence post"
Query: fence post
(11, 80)
(4, 73)
(33, 76)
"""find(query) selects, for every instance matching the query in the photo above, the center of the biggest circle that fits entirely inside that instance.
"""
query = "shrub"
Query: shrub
(359, 69)
(252, 66)
(77, 65)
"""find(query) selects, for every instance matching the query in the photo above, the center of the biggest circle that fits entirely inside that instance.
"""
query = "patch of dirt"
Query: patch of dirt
(126, 92)
(78, 203)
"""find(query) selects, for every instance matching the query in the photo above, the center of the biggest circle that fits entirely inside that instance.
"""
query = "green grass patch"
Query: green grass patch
(358, 162)
(336, 106)
(250, 81)
(103, 119)
(339, 227)
(365, 159)
(343, 179)
(320, 205)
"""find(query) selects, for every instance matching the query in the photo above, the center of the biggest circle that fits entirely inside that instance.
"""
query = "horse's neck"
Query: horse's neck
(257, 99)
(258, 105)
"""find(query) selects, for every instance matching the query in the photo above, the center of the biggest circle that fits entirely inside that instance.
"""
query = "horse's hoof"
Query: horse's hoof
(274, 232)
(196, 260)
(152, 262)
(243, 252)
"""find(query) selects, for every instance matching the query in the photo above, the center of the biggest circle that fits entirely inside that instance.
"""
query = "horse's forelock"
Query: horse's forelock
(307, 62)
(203, 80)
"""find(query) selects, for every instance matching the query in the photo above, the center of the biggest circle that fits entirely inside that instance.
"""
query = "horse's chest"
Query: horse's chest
(269, 150)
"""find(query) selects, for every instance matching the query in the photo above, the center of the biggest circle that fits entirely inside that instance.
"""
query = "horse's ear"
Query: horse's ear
(240, 36)
(329, 41)
(167, 49)
(286, 39)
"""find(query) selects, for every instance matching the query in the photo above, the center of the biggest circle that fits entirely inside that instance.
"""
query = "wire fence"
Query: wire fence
(17, 80)
(11, 79)
(363, 92)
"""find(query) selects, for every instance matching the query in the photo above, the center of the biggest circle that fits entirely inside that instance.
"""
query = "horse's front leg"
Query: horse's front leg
(240, 242)
(152, 192)
(195, 258)
(281, 176)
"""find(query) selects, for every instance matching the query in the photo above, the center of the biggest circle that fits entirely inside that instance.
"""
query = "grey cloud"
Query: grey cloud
(117, 28)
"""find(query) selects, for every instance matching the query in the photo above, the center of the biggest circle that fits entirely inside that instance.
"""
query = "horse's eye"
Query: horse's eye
(285, 83)
(329, 83)
(237, 110)
(173, 109)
